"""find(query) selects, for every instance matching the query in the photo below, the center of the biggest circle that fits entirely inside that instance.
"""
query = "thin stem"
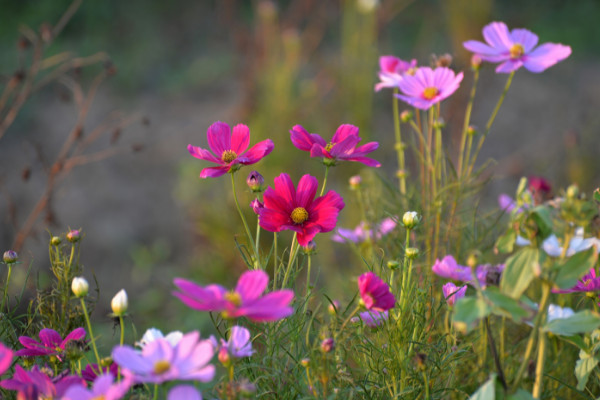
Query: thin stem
(293, 254)
(325, 180)
(89, 326)
(494, 352)
(6, 287)
(539, 368)
(250, 238)
(275, 263)
(352, 314)
(466, 123)
(426, 384)
(399, 145)
(405, 267)
(308, 278)
(155, 392)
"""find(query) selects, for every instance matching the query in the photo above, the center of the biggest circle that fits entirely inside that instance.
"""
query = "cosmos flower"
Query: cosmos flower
(35, 384)
(50, 343)
(373, 318)
(229, 149)
(362, 233)
(104, 387)
(428, 87)
(375, 293)
(288, 208)
(588, 283)
(90, 372)
(6, 358)
(239, 344)
(343, 145)
(186, 392)
(453, 292)
(160, 362)
(244, 301)
(515, 49)
(449, 268)
(391, 71)
(152, 334)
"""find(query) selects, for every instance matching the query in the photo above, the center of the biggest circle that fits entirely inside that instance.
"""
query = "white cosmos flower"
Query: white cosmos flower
(153, 334)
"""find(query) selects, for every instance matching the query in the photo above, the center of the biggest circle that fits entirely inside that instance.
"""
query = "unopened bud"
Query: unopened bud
(439, 123)
(74, 236)
(471, 130)
(305, 362)
(247, 389)
(406, 116)
(421, 360)
(355, 182)
(223, 357)
(445, 60)
(401, 173)
(327, 345)
(310, 248)
(473, 259)
(255, 181)
(55, 241)
(119, 303)
(106, 362)
(393, 264)
(475, 62)
(333, 307)
(410, 219)
(10, 257)
(411, 253)
(80, 287)
(573, 192)
(256, 206)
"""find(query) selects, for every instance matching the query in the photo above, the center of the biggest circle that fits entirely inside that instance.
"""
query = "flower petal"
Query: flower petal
(257, 152)
(76, 334)
(301, 138)
(307, 188)
(271, 307)
(546, 56)
(219, 138)
(285, 188)
(509, 66)
(213, 172)
(497, 35)
(526, 38)
(343, 132)
(240, 138)
(252, 284)
(203, 154)
(50, 337)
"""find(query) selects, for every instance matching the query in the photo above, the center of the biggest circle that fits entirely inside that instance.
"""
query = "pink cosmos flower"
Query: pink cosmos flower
(391, 71)
(160, 362)
(239, 344)
(51, 343)
(588, 283)
(297, 210)
(104, 388)
(341, 147)
(373, 318)
(244, 301)
(453, 292)
(34, 384)
(361, 233)
(515, 49)
(6, 358)
(449, 268)
(428, 87)
(375, 293)
(229, 149)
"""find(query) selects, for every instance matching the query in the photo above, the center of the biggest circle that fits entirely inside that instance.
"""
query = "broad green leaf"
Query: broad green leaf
(487, 391)
(506, 242)
(519, 272)
(575, 340)
(468, 310)
(583, 369)
(581, 322)
(543, 220)
(505, 305)
(520, 395)
(575, 267)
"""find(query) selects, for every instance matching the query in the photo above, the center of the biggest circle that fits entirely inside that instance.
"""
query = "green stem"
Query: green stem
(89, 326)
(324, 180)
(467, 121)
(4, 296)
(275, 263)
(293, 254)
(490, 121)
(352, 314)
(405, 267)
(308, 278)
(426, 384)
(539, 368)
(399, 146)
(155, 392)
(250, 238)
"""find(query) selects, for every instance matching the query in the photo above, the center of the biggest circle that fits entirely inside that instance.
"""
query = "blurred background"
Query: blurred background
(169, 69)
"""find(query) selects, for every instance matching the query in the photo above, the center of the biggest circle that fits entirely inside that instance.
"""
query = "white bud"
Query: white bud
(410, 219)
(80, 286)
(119, 303)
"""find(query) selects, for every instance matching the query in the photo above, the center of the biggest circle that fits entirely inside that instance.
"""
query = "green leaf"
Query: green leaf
(597, 195)
(583, 369)
(468, 310)
(581, 322)
(543, 220)
(506, 242)
(487, 391)
(505, 305)
(575, 267)
(575, 340)
(519, 272)
(520, 395)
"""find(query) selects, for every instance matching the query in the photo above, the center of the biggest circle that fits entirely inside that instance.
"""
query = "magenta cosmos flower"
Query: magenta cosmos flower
(6, 358)
(453, 292)
(229, 149)
(588, 283)
(341, 147)
(391, 71)
(449, 268)
(373, 318)
(375, 293)
(104, 388)
(428, 87)
(36, 385)
(159, 361)
(515, 49)
(50, 343)
(244, 301)
(286, 207)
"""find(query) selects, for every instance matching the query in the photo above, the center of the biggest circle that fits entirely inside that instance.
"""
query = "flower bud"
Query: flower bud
(80, 287)
(255, 181)
(333, 307)
(55, 241)
(256, 205)
(10, 257)
(247, 389)
(401, 173)
(355, 182)
(393, 264)
(473, 259)
(327, 345)
(572, 192)
(406, 116)
(310, 247)
(106, 362)
(410, 219)
(305, 362)
(119, 303)
(475, 62)
(471, 130)
(223, 356)
(411, 253)
(74, 236)
(439, 123)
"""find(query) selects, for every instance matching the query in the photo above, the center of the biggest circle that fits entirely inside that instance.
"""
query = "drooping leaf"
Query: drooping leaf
(583, 369)
(575, 267)
(581, 322)
(543, 220)
(520, 395)
(505, 305)
(487, 391)
(519, 272)
(468, 310)
(506, 242)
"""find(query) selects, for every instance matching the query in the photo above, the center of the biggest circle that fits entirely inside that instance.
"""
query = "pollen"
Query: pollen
(162, 366)
(516, 50)
(430, 92)
(299, 215)
(329, 146)
(101, 397)
(228, 156)
(234, 297)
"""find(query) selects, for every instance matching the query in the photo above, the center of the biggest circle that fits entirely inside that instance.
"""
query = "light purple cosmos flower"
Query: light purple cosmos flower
(239, 344)
(343, 145)
(244, 301)
(515, 49)
(51, 343)
(453, 292)
(104, 388)
(34, 384)
(160, 362)
(361, 233)
(375, 293)
(152, 334)
(186, 392)
(588, 283)
(373, 318)
(6, 358)
(428, 87)
(507, 204)
(449, 268)
(391, 71)
(229, 149)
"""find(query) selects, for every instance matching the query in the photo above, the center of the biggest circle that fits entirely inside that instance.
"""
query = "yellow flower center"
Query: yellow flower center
(430, 92)
(101, 397)
(299, 215)
(228, 156)
(234, 297)
(516, 50)
(411, 71)
(329, 146)
(162, 366)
